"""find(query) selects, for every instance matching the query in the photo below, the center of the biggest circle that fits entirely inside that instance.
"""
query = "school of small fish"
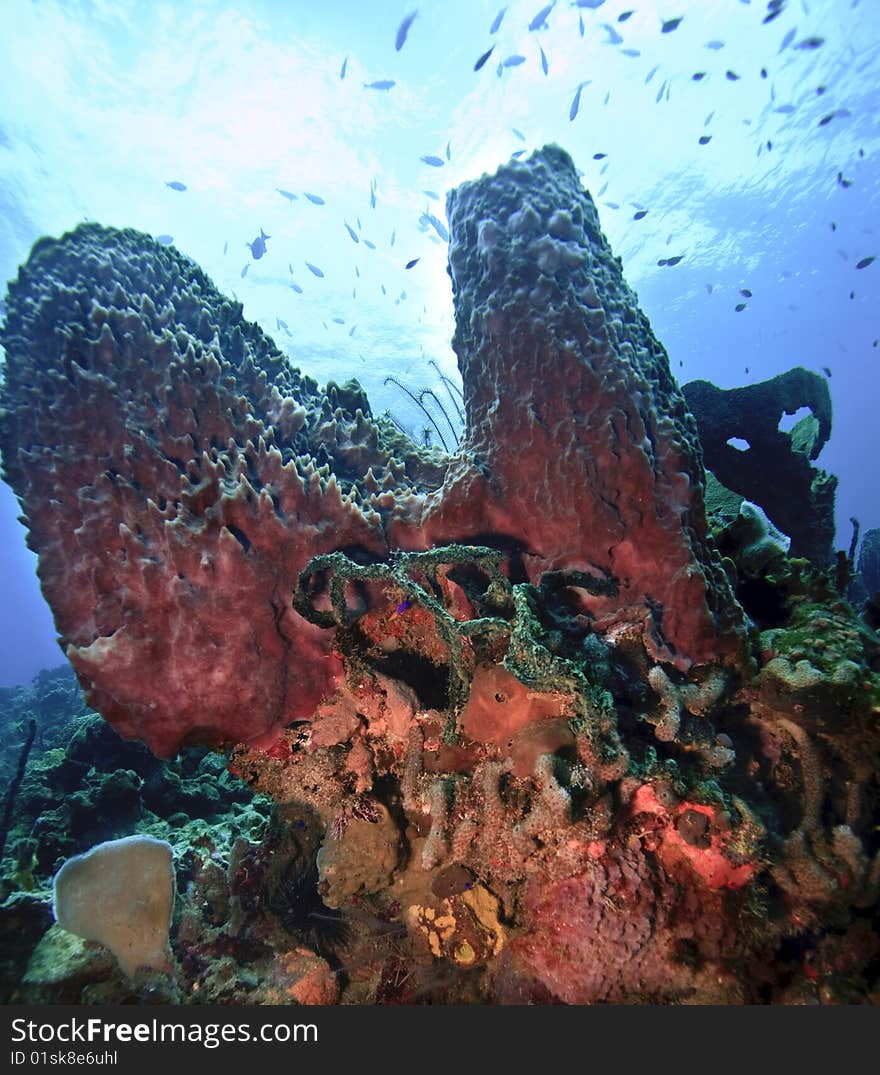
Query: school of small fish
(435, 230)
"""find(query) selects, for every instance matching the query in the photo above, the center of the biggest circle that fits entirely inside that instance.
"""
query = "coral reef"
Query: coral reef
(536, 729)
(775, 469)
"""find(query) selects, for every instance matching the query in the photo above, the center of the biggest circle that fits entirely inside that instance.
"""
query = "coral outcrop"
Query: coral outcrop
(533, 731)
(775, 469)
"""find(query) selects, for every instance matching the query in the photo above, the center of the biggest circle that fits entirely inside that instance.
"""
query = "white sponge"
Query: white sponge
(121, 894)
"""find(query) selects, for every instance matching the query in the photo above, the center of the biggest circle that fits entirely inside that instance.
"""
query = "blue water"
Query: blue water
(103, 104)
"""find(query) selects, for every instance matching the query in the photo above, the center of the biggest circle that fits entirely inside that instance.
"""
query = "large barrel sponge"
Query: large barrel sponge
(177, 474)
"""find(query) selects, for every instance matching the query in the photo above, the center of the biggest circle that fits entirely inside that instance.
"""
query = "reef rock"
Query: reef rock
(775, 470)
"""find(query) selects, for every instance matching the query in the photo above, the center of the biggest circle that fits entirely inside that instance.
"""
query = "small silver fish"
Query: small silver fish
(411, 263)
(403, 30)
(175, 184)
(291, 197)
(576, 102)
(614, 37)
(545, 67)
(380, 84)
(339, 320)
(225, 246)
(496, 22)
(315, 199)
(435, 162)
(789, 37)
(539, 22)
(369, 245)
(437, 225)
(258, 246)
(297, 288)
(314, 269)
(342, 69)
(351, 231)
(671, 24)
(393, 236)
(245, 269)
(165, 240)
(513, 61)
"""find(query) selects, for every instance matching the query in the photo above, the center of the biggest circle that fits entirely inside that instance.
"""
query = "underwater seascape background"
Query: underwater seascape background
(110, 106)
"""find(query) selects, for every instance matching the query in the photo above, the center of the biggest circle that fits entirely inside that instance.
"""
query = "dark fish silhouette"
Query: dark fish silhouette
(624, 15)
(410, 264)
(826, 371)
(351, 231)
(714, 45)
(483, 58)
(732, 76)
(843, 182)
(403, 30)
(599, 156)
(640, 215)
(671, 24)
(165, 240)
(671, 261)
(449, 151)
(381, 84)
(314, 198)
(297, 288)
(314, 269)
(175, 184)
(810, 43)
(517, 153)
(513, 61)
(614, 37)
(630, 52)
(258, 246)
(545, 67)
(705, 139)
(496, 22)
(435, 162)
(740, 306)
(342, 69)
(698, 76)
(865, 262)
(745, 291)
